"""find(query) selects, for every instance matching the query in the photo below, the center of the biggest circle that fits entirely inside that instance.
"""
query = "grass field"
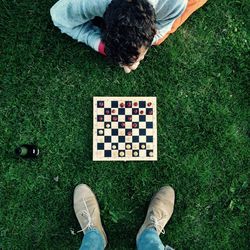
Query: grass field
(200, 77)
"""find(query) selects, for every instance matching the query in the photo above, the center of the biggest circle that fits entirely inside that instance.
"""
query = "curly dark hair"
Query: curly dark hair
(129, 25)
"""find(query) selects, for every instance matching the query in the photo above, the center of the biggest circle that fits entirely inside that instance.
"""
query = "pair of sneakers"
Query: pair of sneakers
(88, 212)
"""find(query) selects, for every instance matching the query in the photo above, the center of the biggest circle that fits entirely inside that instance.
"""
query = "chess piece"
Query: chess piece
(135, 153)
(129, 104)
(134, 125)
(121, 153)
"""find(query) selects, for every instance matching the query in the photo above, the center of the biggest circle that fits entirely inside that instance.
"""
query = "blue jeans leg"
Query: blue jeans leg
(150, 240)
(92, 240)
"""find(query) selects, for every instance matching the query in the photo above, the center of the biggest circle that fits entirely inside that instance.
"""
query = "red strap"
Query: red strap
(101, 48)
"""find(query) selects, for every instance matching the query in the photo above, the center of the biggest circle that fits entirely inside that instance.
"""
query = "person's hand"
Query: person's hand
(129, 68)
(134, 66)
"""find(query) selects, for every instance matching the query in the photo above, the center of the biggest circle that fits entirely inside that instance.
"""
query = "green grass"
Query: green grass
(200, 77)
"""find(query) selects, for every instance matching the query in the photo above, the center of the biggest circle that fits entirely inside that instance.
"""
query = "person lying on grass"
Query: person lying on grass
(128, 27)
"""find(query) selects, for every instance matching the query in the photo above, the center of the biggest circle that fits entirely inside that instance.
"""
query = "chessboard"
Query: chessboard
(124, 129)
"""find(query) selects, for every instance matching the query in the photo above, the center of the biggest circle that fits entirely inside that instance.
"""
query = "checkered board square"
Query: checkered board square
(124, 129)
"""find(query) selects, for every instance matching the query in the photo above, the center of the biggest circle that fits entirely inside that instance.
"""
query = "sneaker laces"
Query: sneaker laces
(157, 223)
(86, 214)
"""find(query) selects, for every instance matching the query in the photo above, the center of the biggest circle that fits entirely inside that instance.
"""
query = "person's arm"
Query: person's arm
(73, 17)
(166, 17)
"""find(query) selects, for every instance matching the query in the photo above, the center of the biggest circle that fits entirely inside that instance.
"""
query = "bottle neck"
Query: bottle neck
(22, 151)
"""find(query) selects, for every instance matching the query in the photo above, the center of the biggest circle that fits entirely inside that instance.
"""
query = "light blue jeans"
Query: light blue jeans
(148, 240)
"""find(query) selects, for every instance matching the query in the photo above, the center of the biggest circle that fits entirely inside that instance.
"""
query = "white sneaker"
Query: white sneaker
(87, 210)
(160, 210)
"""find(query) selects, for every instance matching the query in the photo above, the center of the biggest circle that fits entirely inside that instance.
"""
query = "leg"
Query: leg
(88, 214)
(92, 240)
(159, 212)
(192, 6)
(149, 240)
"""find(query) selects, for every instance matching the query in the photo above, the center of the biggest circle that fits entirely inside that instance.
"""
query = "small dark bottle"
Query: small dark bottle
(27, 151)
